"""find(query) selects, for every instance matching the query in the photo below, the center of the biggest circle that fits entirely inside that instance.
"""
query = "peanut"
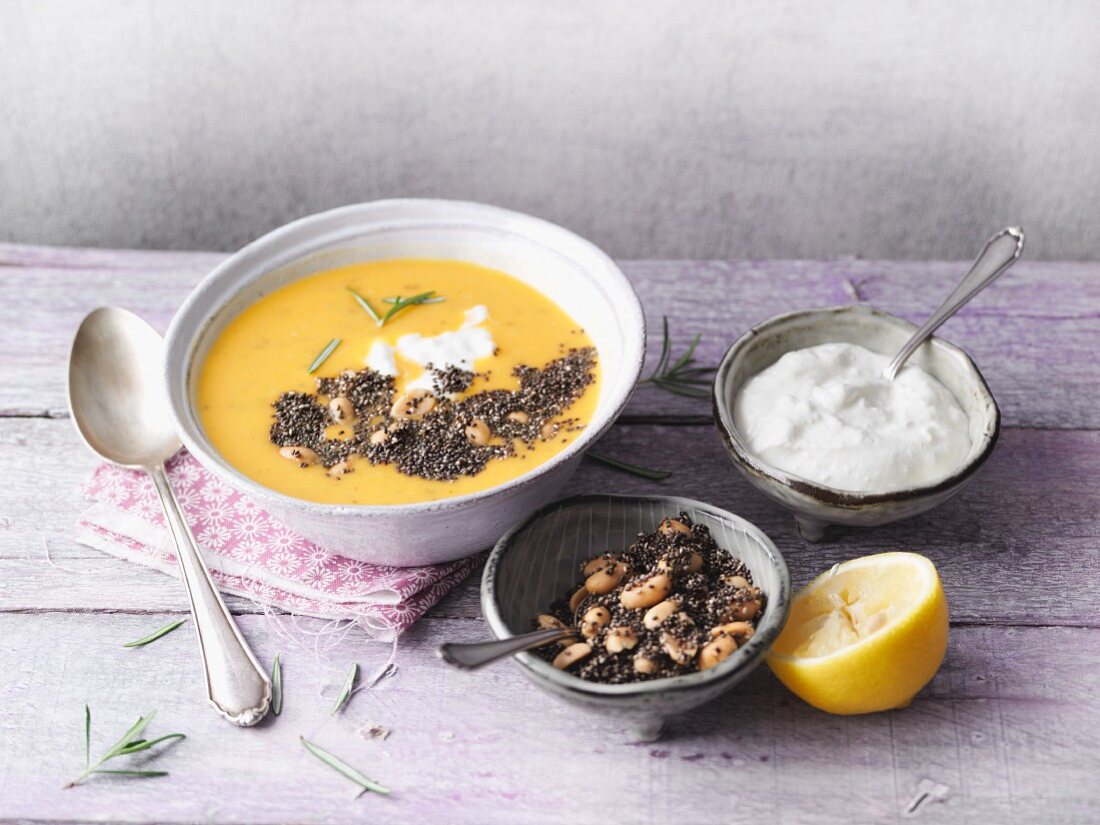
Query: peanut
(606, 579)
(716, 651)
(341, 410)
(575, 600)
(344, 467)
(647, 592)
(594, 619)
(477, 432)
(620, 639)
(571, 655)
(671, 525)
(741, 632)
(303, 455)
(679, 650)
(659, 612)
(416, 403)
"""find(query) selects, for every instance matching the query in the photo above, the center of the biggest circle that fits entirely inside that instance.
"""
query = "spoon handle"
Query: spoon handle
(235, 684)
(476, 654)
(1000, 252)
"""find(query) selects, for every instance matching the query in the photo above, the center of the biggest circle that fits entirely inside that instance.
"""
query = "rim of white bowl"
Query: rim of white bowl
(749, 654)
(180, 343)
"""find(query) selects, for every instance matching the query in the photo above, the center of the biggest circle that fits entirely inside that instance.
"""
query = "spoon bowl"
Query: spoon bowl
(116, 393)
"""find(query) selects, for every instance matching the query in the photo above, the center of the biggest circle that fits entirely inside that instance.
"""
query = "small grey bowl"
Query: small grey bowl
(815, 506)
(535, 563)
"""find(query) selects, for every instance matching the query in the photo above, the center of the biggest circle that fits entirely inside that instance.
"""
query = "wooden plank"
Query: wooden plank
(1032, 334)
(1025, 529)
(1008, 732)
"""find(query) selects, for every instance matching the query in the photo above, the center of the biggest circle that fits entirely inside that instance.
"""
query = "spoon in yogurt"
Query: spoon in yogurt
(1000, 252)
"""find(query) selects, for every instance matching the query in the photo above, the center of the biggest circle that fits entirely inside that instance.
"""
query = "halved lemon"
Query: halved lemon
(864, 636)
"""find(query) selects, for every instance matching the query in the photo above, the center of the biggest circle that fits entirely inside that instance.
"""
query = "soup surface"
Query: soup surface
(487, 324)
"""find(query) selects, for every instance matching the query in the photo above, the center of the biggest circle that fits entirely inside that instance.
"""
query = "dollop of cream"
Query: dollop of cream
(826, 413)
(381, 358)
(455, 348)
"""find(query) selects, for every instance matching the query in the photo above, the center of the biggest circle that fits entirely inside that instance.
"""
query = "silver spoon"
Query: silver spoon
(475, 654)
(1000, 252)
(117, 399)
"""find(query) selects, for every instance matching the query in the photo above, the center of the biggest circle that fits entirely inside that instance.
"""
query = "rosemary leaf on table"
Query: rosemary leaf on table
(680, 378)
(131, 742)
(156, 634)
(277, 686)
(633, 469)
(344, 768)
(324, 354)
(345, 691)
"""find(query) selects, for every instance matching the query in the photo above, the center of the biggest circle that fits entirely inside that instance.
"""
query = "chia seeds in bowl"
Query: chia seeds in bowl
(538, 562)
(670, 604)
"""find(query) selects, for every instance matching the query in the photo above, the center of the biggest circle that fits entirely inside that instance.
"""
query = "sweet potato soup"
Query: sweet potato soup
(390, 382)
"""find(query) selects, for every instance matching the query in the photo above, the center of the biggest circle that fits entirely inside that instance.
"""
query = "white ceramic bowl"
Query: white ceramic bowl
(815, 505)
(575, 274)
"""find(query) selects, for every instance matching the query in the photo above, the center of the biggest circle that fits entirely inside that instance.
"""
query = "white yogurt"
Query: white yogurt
(825, 413)
(454, 348)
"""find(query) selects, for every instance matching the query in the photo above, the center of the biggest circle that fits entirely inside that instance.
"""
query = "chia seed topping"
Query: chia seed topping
(443, 436)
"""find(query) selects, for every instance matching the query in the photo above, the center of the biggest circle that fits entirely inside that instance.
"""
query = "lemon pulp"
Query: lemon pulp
(866, 635)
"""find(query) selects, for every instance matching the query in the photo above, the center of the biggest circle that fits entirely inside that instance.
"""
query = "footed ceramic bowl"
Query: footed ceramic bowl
(568, 269)
(814, 505)
(534, 563)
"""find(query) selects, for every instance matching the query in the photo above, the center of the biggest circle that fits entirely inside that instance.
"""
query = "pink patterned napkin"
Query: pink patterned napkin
(250, 554)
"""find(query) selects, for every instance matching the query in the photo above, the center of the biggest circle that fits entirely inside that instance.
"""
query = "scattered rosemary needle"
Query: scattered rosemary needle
(277, 686)
(681, 378)
(324, 354)
(365, 304)
(402, 303)
(156, 634)
(129, 743)
(633, 469)
(344, 768)
(345, 691)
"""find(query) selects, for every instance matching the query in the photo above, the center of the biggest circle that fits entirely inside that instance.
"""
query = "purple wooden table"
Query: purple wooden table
(1008, 731)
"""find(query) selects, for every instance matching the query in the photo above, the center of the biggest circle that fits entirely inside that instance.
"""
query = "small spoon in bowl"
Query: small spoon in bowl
(116, 398)
(470, 655)
(1000, 252)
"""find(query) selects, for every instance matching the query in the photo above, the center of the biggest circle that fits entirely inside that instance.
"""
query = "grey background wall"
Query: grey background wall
(683, 129)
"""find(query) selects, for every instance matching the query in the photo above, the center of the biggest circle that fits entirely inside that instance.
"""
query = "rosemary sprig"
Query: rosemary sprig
(403, 303)
(438, 299)
(365, 304)
(398, 304)
(344, 768)
(277, 686)
(680, 378)
(324, 354)
(345, 691)
(633, 469)
(128, 744)
(156, 634)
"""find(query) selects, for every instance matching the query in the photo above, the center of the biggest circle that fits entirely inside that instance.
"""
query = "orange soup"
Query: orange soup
(430, 379)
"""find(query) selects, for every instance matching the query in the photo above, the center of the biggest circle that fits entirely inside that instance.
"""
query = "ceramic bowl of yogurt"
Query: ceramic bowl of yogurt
(807, 418)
